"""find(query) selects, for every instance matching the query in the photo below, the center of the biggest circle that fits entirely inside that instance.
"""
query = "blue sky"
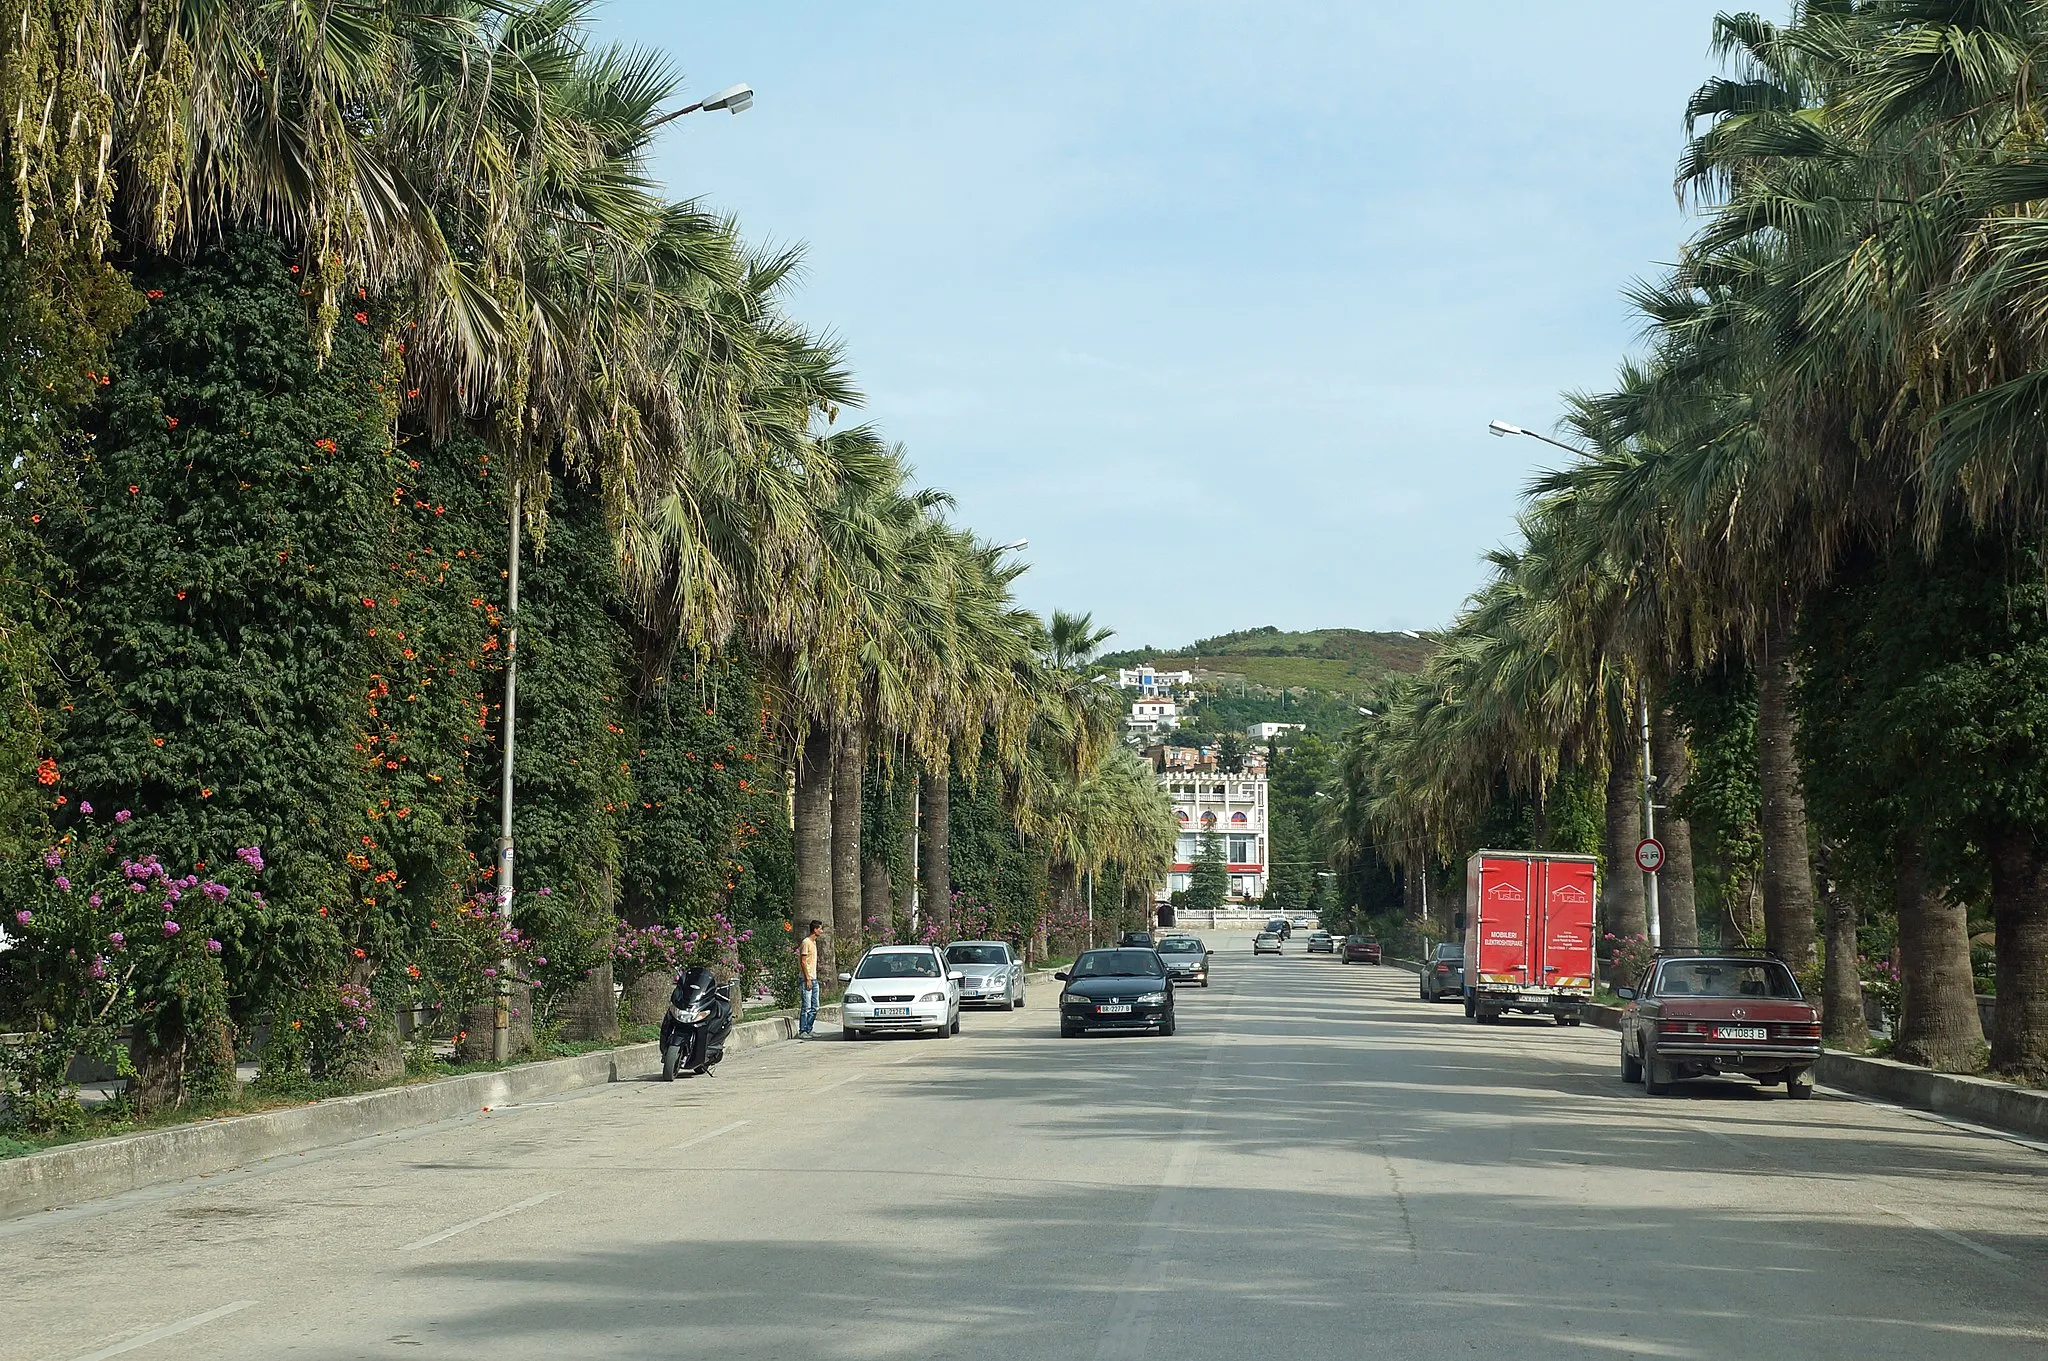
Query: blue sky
(1211, 302)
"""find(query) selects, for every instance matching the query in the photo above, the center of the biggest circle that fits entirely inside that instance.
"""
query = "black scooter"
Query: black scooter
(699, 1020)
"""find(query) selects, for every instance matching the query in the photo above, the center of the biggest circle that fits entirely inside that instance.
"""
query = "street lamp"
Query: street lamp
(733, 99)
(1501, 430)
(1011, 547)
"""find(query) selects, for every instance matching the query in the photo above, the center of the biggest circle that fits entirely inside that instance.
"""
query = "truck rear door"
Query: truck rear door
(1566, 932)
(1506, 904)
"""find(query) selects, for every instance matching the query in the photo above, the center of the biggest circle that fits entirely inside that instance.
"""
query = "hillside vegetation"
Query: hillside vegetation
(1338, 661)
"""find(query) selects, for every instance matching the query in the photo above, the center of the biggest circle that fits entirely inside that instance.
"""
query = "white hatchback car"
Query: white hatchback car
(902, 988)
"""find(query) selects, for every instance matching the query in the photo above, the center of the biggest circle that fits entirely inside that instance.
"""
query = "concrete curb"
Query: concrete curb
(1972, 1100)
(107, 1167)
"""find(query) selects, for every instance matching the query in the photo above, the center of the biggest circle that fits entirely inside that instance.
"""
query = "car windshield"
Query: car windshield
(1180, 947)
(908, 964)
(1727, 978)
(977, 954)
(1118, 964)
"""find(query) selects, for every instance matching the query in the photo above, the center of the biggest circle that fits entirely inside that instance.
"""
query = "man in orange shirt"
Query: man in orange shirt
(807, 970)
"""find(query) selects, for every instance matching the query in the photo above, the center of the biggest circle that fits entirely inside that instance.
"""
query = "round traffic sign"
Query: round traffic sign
(1649, 855)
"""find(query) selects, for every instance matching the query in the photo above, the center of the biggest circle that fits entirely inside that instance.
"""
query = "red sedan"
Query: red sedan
(1361, 950)
(1698, 1015)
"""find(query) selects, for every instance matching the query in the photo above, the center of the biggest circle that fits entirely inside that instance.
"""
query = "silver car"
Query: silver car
(991, 976)
(1186, 959)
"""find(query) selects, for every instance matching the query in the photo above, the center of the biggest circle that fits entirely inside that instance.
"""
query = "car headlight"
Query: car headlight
(1151, 998)
(856, 999)
(933, 997)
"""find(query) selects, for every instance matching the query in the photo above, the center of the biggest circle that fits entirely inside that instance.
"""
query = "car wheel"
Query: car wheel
(1166, 1026)
(1656, 1073)
(1631, 1068)
(956, 1024)
(1799, 1085)
(1068, 1032)
(848, 1033)
(1205, 980)
(1017, 1002)
(1561, 1019)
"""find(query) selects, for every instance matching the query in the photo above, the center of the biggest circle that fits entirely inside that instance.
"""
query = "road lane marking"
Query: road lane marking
(707, 1137)
(1917, 1222)
(1128, 1334)
(479, 1221)
(168, 1330)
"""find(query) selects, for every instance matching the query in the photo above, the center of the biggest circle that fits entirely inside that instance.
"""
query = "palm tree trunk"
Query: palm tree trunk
(1841, 981)
(1678, 908)
(813, 838)
(1623, 911)
(1066, 891)
(849, 764)
(935, 866)
(1938, 1025)
(2019, 894)
(1788, 872)
(878, 899)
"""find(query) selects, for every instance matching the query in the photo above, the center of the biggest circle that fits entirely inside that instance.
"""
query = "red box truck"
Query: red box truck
(1528, 934)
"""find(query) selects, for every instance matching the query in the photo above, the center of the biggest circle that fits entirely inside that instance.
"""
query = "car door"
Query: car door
(1641, 1016)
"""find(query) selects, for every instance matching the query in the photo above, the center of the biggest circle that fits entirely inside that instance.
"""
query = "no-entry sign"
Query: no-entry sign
(1649, 855)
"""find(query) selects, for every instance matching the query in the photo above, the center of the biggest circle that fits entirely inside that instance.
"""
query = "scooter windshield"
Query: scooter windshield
(694, 988)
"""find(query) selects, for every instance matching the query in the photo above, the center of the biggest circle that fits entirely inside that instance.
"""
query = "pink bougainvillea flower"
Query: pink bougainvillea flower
(116, 939)
(170, 928)
(24, 918)
(123, 815)
(93, 901)
(63, 884)
(250, 856)
(85, 808)
(213, 945)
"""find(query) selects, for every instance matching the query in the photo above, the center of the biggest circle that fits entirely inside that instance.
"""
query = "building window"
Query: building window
(1243, 850)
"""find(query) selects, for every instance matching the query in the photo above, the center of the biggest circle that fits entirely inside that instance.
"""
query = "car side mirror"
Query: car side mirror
(846, 978)
(1061, 974)
(1628, 993)
(957, 977)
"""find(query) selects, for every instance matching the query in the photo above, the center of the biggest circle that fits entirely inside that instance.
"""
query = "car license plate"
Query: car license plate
(1741, 1032)
(892, 1011)
(1114, 1009)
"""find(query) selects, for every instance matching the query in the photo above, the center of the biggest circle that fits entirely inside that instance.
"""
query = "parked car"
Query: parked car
(990, 973)
(1361, 950)
(1279, 927)
(1322, 943)
(1186, 959)
(1266, 943)
(1443, 973)
(900, 988)
(1696, 1015)
(1119, 989)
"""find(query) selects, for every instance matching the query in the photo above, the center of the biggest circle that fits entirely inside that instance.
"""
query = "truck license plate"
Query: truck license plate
(892, 1011)
(1116, 1009)
(1740, 1032)
(1532, 997)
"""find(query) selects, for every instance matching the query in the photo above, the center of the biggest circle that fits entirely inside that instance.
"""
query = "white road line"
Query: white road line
(707, 1137)
(1917, 1222)
(168, 1330)
(466, 1226)
(841, 1083)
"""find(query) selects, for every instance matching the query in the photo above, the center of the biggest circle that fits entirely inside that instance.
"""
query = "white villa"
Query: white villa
(1266, 732)
(1146, 681)
(1231, 806)
(1153, 714)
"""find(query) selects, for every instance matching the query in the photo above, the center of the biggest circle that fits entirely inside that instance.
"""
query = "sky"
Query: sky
(1210, 301)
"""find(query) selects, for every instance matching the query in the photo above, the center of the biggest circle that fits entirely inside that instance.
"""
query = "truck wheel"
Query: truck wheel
(1799, 1085)
(1469, 1009)
(1631, 1067)
(1656, 1073)
(1561, 1019)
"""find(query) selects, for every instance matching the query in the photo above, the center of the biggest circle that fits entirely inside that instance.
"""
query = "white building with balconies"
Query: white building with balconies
(1146, 681)
(1150, 715)
(1233, 808)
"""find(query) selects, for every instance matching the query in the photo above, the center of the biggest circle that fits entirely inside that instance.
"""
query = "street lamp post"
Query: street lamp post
(732, 99)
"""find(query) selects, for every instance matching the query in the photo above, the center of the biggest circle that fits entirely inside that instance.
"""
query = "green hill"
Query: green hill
(1336, 661)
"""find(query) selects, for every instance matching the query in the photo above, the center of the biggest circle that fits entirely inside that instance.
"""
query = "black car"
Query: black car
(1279, 927)
(1120, 989)
(1137, 940)
(1443, 973)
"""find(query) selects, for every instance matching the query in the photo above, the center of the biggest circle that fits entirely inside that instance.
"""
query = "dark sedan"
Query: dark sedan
(1116, 990)
(1443, 972)
(1361, 950)
(1699, 1015)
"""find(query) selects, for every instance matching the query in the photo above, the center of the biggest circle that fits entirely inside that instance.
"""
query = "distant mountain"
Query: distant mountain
(1337, 661)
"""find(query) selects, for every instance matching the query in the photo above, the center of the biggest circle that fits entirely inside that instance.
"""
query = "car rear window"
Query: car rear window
(1727, 978)
(1450, 952)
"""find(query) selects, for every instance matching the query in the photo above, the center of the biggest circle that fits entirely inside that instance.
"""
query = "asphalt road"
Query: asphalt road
(1317, 1165)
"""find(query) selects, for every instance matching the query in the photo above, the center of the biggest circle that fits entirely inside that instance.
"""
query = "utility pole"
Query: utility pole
(1649, 822)
(916, 865)
(501, 1022)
